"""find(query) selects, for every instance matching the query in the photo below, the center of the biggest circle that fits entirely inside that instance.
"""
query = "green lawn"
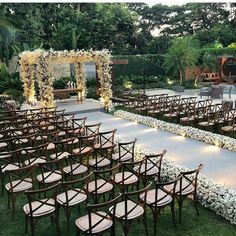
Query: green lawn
(208, 223)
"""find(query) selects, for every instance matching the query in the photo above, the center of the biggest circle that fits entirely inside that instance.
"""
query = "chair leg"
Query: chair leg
(13, 200)
(195, 203)
(154, 213)
(32, 226)
(180, 210)
(26, 223)
(57, 221)
(173, 212)
(8, 200)
(145, 224)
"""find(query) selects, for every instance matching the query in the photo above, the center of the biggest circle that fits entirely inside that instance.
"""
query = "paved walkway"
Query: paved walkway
(220, 164)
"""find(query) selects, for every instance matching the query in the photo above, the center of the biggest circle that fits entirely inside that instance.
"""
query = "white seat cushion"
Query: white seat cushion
(19, 185)
(13, 166)
(124, 157)
(59, 155)
(43, 209)
(50, 176)
(27, 150)
(162, 197)
(75, 169)
(133, 209)
(82, 150)
(21, 140)
(3, 144)
(101, 161)
(35, 161)
(51, 146)
(129, 178)
(106, 145)
(151, 169)
(74, 197)
(186, 188)
(83, 222)
(106, 186)
(72, 141)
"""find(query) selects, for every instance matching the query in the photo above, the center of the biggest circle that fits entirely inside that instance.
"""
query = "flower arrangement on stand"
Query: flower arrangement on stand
(28, 80)
(104, 75)
(80, 77)
(45, 81)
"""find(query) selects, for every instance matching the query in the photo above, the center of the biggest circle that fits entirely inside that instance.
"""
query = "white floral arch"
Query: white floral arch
(36, 65)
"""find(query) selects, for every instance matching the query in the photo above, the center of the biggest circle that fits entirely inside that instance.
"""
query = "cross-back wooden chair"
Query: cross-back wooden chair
(99, 218)
(103, 183)
(103, 150)
(230, 128)
(159, 197)
(37, 207)
(19, 180)
(129, 175)
(6, 144)
(77, 164)
(190, 116)
(210, 122)
(73, 193)
(85, 144)
(151, 167)
(187, 186)
(36, 154)
(132, 208)
(50, 172)
(62, 149)
(93, 129)
(9, 160)
(79, 125)
(125, 151)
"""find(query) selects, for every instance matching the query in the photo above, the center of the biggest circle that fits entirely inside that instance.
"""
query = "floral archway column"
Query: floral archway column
(80, 77)
(104, 76)
(45, 81)
(27, 76)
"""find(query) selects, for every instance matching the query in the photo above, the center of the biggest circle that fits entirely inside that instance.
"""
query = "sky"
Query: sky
(149, 2)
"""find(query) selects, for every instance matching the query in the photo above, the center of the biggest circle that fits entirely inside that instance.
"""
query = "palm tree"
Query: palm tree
(7, 37)
(206, 62)
(183, 53)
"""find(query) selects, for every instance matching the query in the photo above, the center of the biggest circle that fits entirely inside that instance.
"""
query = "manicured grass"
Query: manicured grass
(207, 224)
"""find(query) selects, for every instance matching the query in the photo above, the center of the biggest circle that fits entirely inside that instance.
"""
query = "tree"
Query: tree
(206, 62)
(183, 53)
(7, 36)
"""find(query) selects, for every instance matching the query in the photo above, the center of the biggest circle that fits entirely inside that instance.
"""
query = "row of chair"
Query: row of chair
(83, 167)
(202, 114)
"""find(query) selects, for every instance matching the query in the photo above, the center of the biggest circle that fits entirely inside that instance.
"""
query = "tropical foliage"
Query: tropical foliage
(183, 53)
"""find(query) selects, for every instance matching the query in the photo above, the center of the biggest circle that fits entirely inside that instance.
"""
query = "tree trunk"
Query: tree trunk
(197, 77)
(180, 77)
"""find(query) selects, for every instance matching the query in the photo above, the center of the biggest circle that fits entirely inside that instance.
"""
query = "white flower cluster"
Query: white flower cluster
(186, 131)
(80, 76)
(220, 199)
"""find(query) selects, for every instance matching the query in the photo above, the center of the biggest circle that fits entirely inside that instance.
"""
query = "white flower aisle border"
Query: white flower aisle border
(220, 199)
(186, 131)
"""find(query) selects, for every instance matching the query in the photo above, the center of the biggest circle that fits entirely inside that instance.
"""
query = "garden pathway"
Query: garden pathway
(219, 163)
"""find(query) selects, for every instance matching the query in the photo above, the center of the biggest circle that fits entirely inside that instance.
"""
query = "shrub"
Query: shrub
(61, 83)
(15, 95)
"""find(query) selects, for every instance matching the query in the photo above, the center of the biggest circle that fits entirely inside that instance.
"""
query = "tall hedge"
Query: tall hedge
(151, 63)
